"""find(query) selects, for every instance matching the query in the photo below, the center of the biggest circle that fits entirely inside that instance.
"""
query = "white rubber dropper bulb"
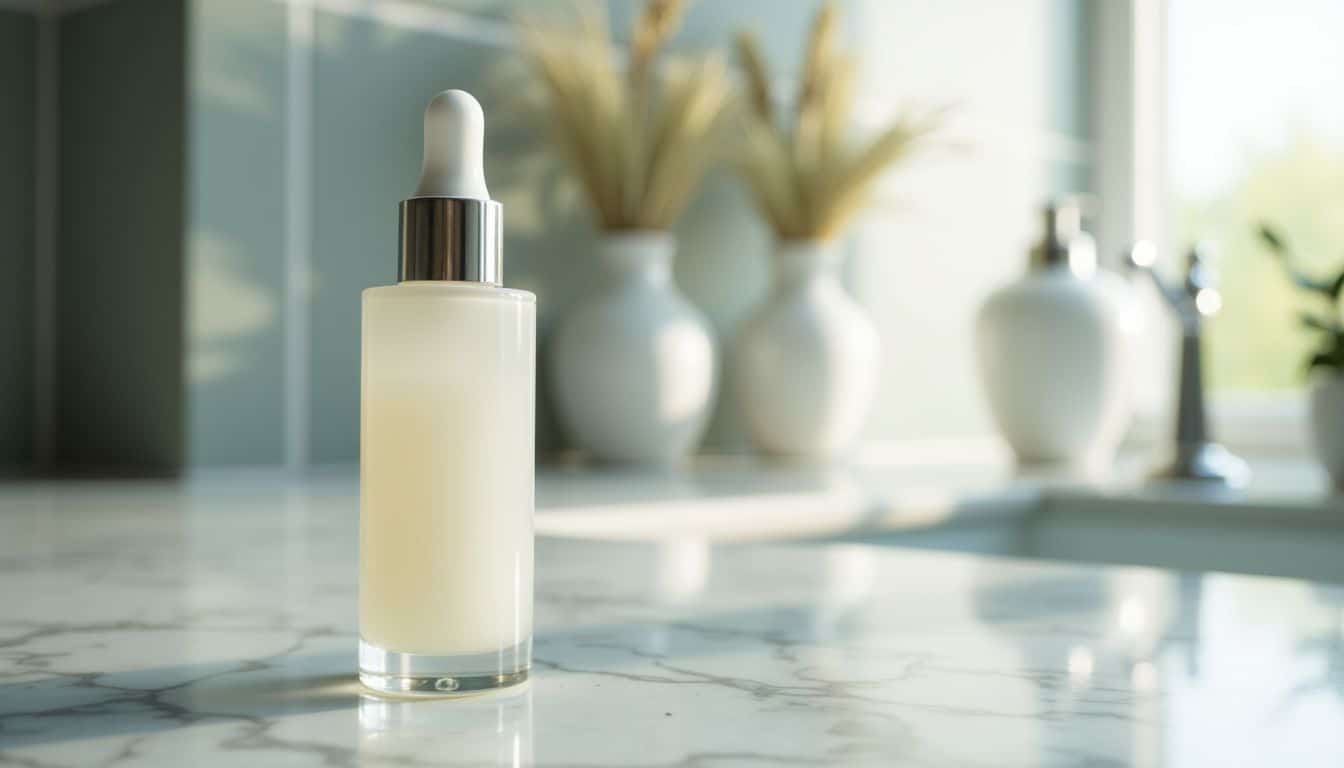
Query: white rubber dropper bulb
(454, 165)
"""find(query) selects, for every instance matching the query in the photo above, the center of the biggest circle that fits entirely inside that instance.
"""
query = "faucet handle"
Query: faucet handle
(1197, 296)
(1142, 255)
(1201, 279)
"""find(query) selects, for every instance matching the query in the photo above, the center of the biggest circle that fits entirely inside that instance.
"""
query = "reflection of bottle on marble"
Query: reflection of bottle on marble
(446, 430)
(493, 731)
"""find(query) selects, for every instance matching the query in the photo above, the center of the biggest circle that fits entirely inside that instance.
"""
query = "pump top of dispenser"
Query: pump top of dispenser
(450, 229)
(1064, 242)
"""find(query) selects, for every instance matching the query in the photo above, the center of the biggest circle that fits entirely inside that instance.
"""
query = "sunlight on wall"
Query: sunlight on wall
(223, 307)
(677, 344)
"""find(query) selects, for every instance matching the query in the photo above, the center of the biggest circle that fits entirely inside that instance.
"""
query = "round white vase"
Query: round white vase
(634, 363)
(1327, 425)
(1052, 354)
(806, 361)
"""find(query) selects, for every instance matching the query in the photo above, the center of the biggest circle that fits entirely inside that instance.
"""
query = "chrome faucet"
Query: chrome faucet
(1198, 457)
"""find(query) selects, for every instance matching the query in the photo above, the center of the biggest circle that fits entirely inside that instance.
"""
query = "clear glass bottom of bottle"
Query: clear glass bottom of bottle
(418, 674)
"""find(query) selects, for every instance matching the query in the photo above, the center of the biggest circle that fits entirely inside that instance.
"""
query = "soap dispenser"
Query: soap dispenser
(1051, 351)
(446, 437)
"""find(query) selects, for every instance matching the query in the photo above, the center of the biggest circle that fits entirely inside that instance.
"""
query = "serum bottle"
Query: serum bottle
(446, 437)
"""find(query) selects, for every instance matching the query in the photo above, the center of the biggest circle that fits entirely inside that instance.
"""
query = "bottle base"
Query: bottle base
(417, 674)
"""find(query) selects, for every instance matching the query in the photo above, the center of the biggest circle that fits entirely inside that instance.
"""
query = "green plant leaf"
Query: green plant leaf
(1308, 283)
(1320, 323)
(1272, 239)
(1331, 355)
(1283, 253)
(1322, 360)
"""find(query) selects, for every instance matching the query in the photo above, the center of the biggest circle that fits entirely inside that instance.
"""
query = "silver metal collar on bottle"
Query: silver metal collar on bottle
(450, 238)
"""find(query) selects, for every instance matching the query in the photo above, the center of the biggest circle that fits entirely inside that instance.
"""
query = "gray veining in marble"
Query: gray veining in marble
(213, 624)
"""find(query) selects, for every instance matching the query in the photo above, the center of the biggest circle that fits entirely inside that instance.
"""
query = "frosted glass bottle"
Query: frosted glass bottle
(446, 436)
(447, 385)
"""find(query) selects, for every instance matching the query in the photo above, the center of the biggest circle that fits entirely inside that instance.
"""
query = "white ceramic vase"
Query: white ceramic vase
(1052, 353)
(806, 361)
(1327, 424)
(634, 362)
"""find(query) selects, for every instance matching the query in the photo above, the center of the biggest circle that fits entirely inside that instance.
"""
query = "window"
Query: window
(1255, 117)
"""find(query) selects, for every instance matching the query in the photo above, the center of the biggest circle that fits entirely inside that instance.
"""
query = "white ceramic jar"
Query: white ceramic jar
(806, 362)
(1053, 352)
(634, 363)
(1049, 349)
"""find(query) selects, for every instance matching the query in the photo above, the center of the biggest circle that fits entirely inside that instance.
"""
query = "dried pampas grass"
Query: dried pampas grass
(808, 179)
(639, 141)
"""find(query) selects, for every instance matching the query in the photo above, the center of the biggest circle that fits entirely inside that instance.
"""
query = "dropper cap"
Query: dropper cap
(450, 229)
(454, 164)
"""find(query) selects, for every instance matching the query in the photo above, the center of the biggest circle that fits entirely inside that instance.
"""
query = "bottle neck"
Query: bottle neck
(799, 262)
(642, 256)
(450, 238)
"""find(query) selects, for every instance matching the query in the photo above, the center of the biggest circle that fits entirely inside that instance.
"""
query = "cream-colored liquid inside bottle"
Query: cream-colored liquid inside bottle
(446, 442)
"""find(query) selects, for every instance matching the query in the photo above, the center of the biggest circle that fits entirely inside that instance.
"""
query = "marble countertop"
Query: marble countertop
(212, 623)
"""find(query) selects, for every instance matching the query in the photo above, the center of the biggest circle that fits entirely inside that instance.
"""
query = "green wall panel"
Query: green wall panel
(120, 317)
(17, 95)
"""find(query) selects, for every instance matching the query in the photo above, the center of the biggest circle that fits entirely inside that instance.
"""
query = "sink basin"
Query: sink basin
(1291, 542)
